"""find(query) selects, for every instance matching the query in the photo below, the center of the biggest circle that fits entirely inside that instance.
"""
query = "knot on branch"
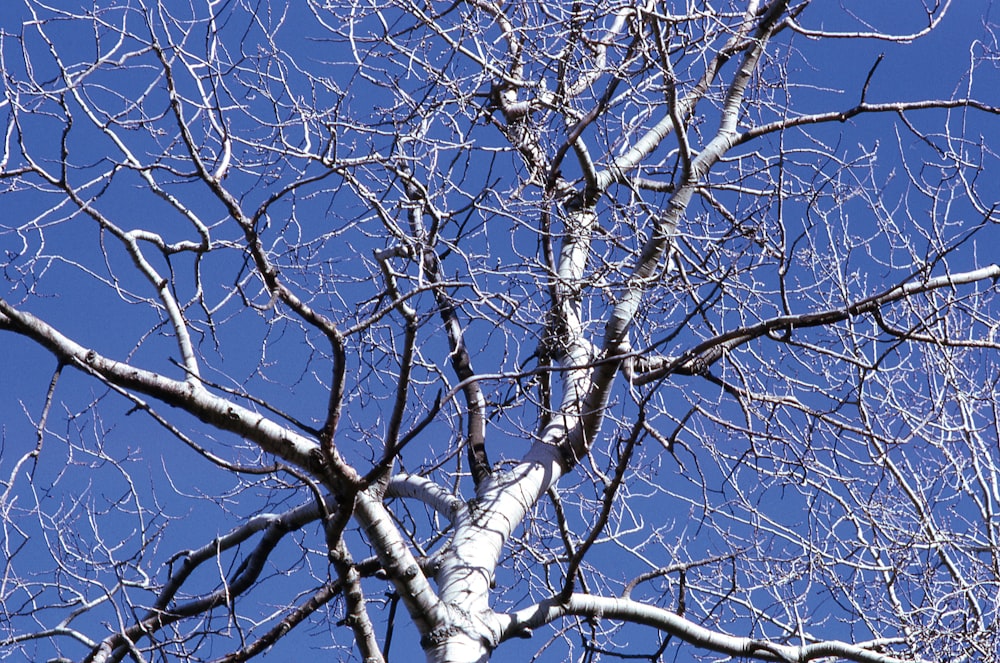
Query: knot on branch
(461, 623)
(502, 97)
(439, 636)
(698, 363)
(318, 464)
(694, 364)
(567, 456)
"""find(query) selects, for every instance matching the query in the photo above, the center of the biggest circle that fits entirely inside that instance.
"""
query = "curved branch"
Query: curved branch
(864, 107)
(644, 271)
(590, 606)
(697, 360)
(931, 24)
(425, 608)
(334, 463)
(274, 527)
(739, 40)
(461, 359)
(428, 492)
(186, 395)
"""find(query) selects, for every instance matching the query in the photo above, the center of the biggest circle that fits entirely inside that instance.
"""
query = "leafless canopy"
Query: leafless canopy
(660, 330)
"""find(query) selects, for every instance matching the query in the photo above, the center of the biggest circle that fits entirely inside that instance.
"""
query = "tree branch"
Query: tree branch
(697, 360)
(588, 605)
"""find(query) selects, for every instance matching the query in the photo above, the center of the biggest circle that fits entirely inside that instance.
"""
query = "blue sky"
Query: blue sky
(101, 456)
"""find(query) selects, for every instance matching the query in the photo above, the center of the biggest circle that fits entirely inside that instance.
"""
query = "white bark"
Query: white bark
(466, 572)
(586, 605)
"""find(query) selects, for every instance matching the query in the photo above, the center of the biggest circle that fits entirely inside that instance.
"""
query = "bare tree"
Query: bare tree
(666, 330)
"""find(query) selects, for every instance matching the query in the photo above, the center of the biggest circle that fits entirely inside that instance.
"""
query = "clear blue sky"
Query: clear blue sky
(86, 447)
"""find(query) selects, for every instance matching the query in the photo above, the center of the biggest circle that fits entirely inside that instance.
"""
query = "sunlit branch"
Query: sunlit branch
(131, 239)
(402, 568)
(697, 360)
(898, 107)
(622, 316)
(626, 449)
(428, 492)
(274, 527)
(934, 17)
(461, 360)
(229, 416)
(40, 438)
(583, 605)
(357, 617)
(739, 40)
